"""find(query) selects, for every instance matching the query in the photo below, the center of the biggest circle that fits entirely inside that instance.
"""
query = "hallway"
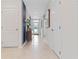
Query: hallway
(36, 49)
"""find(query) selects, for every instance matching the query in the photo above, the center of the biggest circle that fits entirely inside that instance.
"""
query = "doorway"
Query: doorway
(24, 22)
(35, 26)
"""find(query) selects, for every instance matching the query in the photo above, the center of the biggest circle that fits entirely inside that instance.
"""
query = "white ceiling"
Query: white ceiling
(36, 8)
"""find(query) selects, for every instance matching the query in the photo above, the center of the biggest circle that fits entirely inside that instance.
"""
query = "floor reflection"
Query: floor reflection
(35, 40)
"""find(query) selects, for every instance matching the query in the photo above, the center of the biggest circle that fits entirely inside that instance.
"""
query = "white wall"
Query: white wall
(62, 34)
(69, 22)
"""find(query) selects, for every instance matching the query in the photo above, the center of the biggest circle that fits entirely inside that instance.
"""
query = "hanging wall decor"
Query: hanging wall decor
(48, 18)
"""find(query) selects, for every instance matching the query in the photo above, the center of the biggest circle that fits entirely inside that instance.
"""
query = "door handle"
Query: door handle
(16, 29)
(52, 30)
(1, 27)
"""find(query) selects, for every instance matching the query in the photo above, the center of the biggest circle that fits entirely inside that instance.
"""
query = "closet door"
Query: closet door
(9, 31)
(57, 28)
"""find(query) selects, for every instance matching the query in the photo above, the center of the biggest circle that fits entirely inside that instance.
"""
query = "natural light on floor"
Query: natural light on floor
(35, 40)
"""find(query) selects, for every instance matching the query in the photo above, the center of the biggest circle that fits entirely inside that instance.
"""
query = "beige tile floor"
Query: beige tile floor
(36, 49)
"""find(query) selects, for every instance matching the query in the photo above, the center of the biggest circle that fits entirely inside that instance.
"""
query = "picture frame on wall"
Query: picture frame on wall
(48, 18)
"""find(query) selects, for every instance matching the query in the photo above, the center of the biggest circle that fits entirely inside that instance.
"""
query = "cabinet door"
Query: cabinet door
(10, 35)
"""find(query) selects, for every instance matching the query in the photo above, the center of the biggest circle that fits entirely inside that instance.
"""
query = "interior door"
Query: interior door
(56, 29)
(9, 24)
(55, 40)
